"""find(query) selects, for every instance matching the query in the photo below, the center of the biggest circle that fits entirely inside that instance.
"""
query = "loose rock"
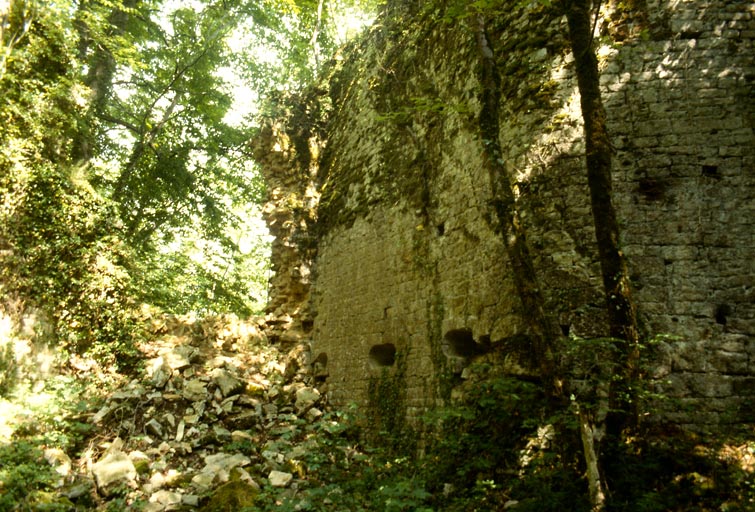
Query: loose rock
(280, 478)
(113, 468)
(306, 398)
(226, 381)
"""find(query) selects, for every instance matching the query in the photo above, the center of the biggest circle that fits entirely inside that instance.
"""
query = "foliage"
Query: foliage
(8, 368)
(497, 444)
(387, 405)
(27, 480)
(123, 177)
(289, 43)
(176, 167)
(97, 173)
(679, 471)
(61, 249)
(24, 471)
(342, 474)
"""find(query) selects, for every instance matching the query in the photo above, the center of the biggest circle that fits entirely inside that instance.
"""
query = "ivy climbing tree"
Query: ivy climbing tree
(60, 249)
(621, 309)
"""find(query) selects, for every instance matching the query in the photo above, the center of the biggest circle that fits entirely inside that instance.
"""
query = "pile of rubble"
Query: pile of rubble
(218, 414)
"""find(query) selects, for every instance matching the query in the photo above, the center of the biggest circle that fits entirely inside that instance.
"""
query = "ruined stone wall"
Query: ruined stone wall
(287, 150)
(411, 280)
(682, 122)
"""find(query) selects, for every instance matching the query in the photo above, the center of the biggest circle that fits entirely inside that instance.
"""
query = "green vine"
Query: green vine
(387, 406)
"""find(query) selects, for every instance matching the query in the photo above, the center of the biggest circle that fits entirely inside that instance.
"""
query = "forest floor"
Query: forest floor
(216, 419)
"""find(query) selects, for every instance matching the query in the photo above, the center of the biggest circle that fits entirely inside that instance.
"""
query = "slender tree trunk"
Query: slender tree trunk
(595, 485)
(622, 313)
(542, 328)
(10, 34)
(316, 34)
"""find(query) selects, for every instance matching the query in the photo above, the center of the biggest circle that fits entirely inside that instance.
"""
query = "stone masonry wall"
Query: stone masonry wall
(411, 281)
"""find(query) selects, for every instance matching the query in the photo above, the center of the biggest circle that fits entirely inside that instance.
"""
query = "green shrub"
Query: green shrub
(23, 470)
(8, 368)
(478, 446)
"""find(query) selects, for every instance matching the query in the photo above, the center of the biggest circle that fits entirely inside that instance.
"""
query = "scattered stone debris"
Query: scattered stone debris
(212, 420)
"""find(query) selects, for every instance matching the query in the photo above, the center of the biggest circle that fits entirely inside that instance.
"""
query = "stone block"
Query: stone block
(744, 386)
(731, 363)
(113, 468)
(709, 385)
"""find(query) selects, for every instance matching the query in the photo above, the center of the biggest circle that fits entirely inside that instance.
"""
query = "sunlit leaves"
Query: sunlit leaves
(132, 96)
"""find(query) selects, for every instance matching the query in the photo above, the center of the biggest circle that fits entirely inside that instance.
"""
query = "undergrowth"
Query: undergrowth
(496, 449)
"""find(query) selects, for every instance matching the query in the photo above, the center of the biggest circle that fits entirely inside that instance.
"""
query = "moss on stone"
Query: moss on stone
(232, 497)
(387, 406)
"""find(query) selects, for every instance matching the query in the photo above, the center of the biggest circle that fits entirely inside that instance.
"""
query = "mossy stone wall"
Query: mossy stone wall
(406, 250)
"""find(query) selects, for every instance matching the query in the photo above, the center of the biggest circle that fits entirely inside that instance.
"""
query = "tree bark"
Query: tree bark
(542, 328)
(15, 33)
(592, 463)
(621, 308)
(315, 35)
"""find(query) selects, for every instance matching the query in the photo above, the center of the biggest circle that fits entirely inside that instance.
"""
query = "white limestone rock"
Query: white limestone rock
(218, 468)
(190, 500)
(314, 414)
(280, 478)
(159, 372)
(194, 390)
(306, 398)
(115, 467)
(227, 382)
(153, 427)
(180, 357)
(168, 500)
(60, 462)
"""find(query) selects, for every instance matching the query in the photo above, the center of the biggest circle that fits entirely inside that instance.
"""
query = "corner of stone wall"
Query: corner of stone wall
(287, 148)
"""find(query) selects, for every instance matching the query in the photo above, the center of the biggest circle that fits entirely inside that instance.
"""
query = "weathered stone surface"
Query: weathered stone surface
(244, 420)
(240, 436)
(190, 500)
(179, 357)
(194, 390)
(223, 463)
(222, 435)
(160, 374)
(113, 468)
(190, 423)
(102, 414)
(203, 481)
(168, 500)
(306, 398)
(140, 460)
(226, 381)
(280, 478)
(314, 414)
(154, 428)
(58, 459)
(405, 252)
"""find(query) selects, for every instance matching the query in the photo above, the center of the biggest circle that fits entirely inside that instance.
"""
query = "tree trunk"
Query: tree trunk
(621, 308)
(315, 35)
(595, 484)
(102, 67)
(542, 328)
(10, 32)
